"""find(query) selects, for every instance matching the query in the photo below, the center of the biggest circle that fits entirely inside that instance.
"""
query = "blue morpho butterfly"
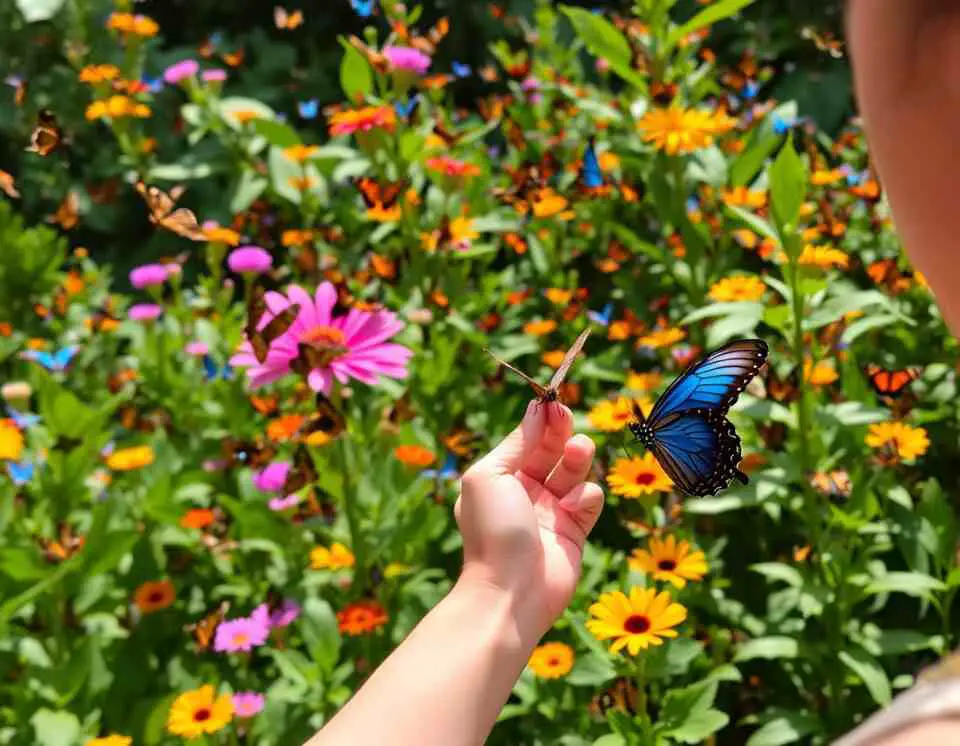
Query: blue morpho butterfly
(56, 362)
(447, 471)
(211, 372)
(461, 70)
(688, 431)
(750, 89)
(21, 472)
(782, 125)
(602, 317)
(405, 109)
(591, 175)
(23, 420)
(364, 8)
(308, 109)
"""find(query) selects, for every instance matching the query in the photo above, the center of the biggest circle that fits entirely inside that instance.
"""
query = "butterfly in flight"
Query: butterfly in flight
(55, 362)
(621, 696)
(261, 336)
(688, 431)
(364, 8)
(376, 195)
(550, 392)
(47, 135)
(591, 181)
(309, 108)
(326, 419)
(891, 383)
(287, 20)
(204, 630)
(165, 213)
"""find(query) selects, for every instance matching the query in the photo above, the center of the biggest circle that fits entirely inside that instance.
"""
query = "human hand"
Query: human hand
(525, 511)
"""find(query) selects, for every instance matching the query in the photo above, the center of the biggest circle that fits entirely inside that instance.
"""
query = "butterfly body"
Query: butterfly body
(550, 392)
(891, 383)
(688, 431)
(164, 212)
(47, 135)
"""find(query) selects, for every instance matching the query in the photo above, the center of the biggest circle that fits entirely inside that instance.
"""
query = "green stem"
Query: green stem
(353, 517)
(642, 708)
(797, 303)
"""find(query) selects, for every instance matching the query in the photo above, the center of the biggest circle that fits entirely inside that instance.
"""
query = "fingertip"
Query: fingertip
(581, 444)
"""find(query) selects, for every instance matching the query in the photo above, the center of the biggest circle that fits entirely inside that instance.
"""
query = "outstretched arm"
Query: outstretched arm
(525, 511)
(906, 54)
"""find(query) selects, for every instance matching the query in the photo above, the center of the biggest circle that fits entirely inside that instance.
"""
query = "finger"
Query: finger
(458, 510)
(515, 449)
(583, 504)
(574, 466)
(559, 427)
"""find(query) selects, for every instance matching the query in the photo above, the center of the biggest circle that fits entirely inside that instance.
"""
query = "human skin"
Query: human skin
(524, 511)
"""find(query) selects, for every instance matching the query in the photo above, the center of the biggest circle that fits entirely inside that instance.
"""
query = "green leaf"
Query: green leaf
(21, 563)
(55, 728)
(787, 728)
(748, 164)
(276, 133)
(700, 725)
(604, 40)
(249, 187)
(320, 632)
(356, 77)
(39, 10)
(611, 739)
(788, 183)
(911, 583)
(770, 648)
(879, 642)
(713, 13)
(871, 673)
(115, 547)
(591, 670)
(779, 571)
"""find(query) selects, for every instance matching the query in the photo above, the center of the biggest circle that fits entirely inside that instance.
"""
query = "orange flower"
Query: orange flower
(117, 107)
(295, 237)
(547, 204)
(154, 596)
(742, 197)
(553, 358)
(643, 381)
(301, 153)
(284, 427)
(905, 441)
(349, 121)
(677, 131)
(558, 296)
(638, 476)
(198, 518)
(242, 116)
(614, 415)
(219, 234)
(823, 257)
(448, 166)
(337, 557)
(822, 177)
(380, 214)
(11, 441)
(552, 660)
(361, 618)
(662, 338)
(539, 328)
(302, 183)
(414, 455)
(821, 374)
(99, 73)
(737, 288)
(136, 25)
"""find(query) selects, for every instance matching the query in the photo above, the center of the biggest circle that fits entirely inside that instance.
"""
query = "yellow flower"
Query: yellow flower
(242, 116)
(609, 161)
(462, 230)
(636, 622)
(905, 441)
(670, 560)
(99, 73)
(112, 740)
(638, 476)
(459, 233)
(395, 570)
(381, 214)
(821, 374)
(677, 131)
(301, 153)
(539, 328)
(552, 660)
(558, 296)
(128, 459)
(117, 107)
(823, 257)
(547, 203)
(199, 711)
(643, 381)
(128, 23)
(822, 177)
(661, 338)
(219, 234)
(613, 415)
(11, 441)
(738, 288)
(363, 120)
(337, 557)
(742, 197)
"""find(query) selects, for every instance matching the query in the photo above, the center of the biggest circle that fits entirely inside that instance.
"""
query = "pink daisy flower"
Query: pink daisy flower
(352, 346)
(243, 634)
(247, 704)
(408, 59)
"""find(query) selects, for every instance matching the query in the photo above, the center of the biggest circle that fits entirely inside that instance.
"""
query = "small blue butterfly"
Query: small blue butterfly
(405, 109)
(21, 472)
(56, 362)
(23, 420)
(447, 471)
(855, 178)
(308, 109)
(461, 70)
(688, 431)
(591, 175)
(782, 125)
(603, 317)
(216, 38)
(750, 89)
(211, 372)
(364, 8)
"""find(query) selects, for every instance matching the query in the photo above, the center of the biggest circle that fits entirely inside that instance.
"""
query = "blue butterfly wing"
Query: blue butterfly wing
(699, 451)
(363, 8)
(461, 70)
(602, 317)
(713, 383)
(62, 358)
(21, 472)
(308, 109)
(591, 176)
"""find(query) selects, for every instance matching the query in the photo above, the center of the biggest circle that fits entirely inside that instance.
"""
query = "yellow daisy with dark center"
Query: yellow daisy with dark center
(635, 622)
(200, 711)
(638, 476)
(670, 560)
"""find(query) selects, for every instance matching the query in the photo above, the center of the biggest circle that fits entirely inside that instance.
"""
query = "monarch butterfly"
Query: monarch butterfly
(782, 390)
(550, 392)
(449, 138)
(426, 44)
(461, 442)
(375, 194)
(261, 337)
(302, 474)
(47, 135)
(886, 273)
(67, 215)
(165, 213)
(663, 93)
(622, 696)
(62, 548)
(834, 484)
(255, 454)
(235, 59)
(286, 20)
(891, 383)
(204, 631)
(265, 405)
(326, 419)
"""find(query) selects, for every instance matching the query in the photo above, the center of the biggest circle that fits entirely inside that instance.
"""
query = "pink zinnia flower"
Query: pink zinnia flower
(251, 259)
(279, 504)
(272, 477)
(144, 312)
(148, 275)
(407, 59)
(197, 348)
(247, 704)
(353, 346)
(243, 634)
(286, 615)
(180, 71)
(214, 76)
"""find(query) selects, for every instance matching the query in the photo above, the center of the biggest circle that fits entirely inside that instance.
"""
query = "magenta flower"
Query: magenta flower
(144, 312)
(272, 477)
(286, 615)
(180, 71)
(251, 259)
(148, 275)
(279, 504)
(352, 346)
(247, 704)
(214, 76)
(407, 59)
(196, 348)
(243, 634)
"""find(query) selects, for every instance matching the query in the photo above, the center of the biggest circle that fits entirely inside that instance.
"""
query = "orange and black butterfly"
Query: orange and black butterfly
(891, 383)
(380, 195)
(835, 484)
(235, 59)
(265, 405)
(287, 20)
(426, 44)
(261, 338)
(67, 215)
(102, 319)
(663, 93)
(621, 696)
(165, 213)
(782, 390)
(314, 355)
(205, 630)
(461, 442)
(47, 135)
(62, 548)
(57, 308)
(450, 138)
(302, 474)
(255, 454)
(550, 392)
(326, 419)
(886, 274)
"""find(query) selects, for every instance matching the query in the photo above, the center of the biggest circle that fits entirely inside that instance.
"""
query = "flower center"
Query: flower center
(554, 662)
(644, 478)
(156, 597)
(202, 714)
(323, 336)
(637, 624)
(667, 565)
(241, 638)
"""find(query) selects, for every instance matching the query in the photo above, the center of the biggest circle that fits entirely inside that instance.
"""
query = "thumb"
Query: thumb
(509, 455)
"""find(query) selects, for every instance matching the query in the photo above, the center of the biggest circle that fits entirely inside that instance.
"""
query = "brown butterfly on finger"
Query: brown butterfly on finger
(550, 392)
(165, 214)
